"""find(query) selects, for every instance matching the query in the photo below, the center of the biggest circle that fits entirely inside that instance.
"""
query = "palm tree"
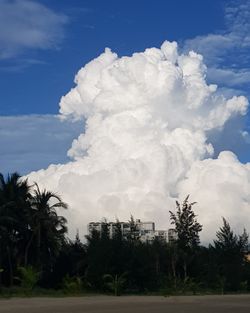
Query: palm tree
(47, 227)
(14, 201)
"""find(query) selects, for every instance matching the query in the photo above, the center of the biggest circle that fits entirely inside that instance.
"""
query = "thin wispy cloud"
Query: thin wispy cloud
(227, 50)
(19, 64)
(26, 24)
(29, 142)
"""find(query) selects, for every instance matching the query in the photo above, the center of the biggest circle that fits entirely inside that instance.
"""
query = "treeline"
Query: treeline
(36, 253)
(179, 266)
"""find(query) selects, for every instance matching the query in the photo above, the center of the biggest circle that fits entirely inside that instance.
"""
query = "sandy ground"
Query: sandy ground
(131, 304)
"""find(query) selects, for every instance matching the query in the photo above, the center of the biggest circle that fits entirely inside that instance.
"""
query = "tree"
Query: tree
(187, 229)
(133, 233)
(14, 203)
(230, 251)
(70, 264)
(99, 255)
(186, 224)
(47, 227)
(31, 231)
(117, 232)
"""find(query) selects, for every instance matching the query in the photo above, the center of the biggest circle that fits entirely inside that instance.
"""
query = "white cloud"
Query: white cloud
(26, 24)
(221, 187)
(150, 120)
(19, 64)
(232, 77)
(31, 142)
(212, 46)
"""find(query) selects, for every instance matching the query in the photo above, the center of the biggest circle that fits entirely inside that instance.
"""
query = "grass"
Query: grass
(40, 292)
(19, 292)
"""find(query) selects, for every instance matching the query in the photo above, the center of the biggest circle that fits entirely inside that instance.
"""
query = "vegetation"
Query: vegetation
(115, 283)
(35, 253)
(187, 229)
(28, 277)
(31, 232)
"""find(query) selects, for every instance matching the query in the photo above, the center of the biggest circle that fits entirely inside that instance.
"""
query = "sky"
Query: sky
(136, 103)
(44, 43)
(38, 66)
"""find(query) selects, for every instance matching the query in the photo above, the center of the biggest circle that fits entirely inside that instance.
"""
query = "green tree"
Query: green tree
(71, 262)
(230, 251)
(186, 224)
(117, 232)
(98, 256)
(47, 227)
(14, 204)
(187, 230)
(133, 232)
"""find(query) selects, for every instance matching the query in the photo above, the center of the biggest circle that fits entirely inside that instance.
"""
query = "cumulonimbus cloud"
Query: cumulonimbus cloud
(145, 143)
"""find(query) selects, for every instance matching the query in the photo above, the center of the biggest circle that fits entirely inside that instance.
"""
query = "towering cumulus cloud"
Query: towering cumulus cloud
(147, 120)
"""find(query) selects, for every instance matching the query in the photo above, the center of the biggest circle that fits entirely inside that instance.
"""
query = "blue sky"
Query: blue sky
(44, 43)
(41, 75)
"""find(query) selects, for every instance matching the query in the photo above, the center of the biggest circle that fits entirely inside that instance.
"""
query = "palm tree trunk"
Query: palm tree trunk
(10, 266)
(157, 265)
(1, 269)
(38, 246)
(26, 253)
(185, 269)
(173, 263)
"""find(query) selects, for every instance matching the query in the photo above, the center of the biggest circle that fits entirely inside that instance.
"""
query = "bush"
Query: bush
(72, 284)
(28, 277)
(115, 283)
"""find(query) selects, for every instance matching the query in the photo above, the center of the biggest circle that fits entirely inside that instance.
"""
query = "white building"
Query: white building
(172, 235)
(145, 231)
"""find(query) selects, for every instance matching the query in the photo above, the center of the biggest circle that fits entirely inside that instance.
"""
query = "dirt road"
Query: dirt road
(129, 304)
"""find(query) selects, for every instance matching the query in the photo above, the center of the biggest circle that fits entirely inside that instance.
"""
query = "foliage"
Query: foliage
(14, 204)
(186, 224)
(230, 251)
(115, 282)
(28, 277)
(133, 234)
(187, 229)
(47, 227)
(31, 232)
(72, 284)
(70, 262)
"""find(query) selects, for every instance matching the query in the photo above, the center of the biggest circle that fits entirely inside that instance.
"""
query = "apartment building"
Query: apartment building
(145, 231)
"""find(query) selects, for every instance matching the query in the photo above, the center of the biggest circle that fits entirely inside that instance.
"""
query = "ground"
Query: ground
(131, 304)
